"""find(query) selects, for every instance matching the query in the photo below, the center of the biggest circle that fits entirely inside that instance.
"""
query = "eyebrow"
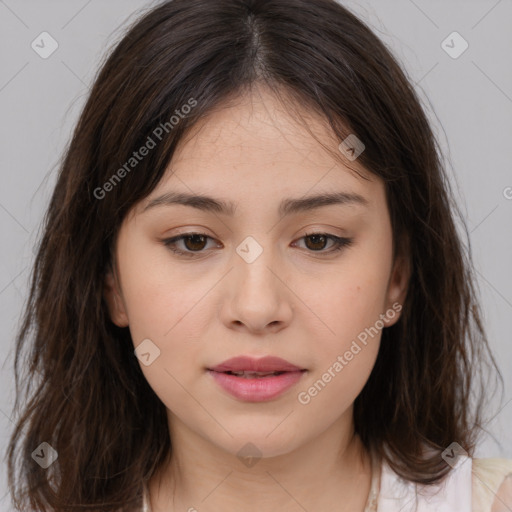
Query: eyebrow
(286, 207)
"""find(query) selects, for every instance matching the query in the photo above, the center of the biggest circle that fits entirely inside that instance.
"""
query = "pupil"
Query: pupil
(195, 237)
(315, 240)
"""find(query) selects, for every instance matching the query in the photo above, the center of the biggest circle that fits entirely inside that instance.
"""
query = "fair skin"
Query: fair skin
(299, 300)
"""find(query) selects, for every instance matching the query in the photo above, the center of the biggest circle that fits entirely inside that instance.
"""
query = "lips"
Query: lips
(252, 375)
(268, 365)
(256, 380)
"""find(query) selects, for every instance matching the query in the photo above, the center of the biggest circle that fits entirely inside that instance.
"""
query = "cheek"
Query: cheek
(161, 299)
(331, 391)
(346, 352)
(350, 304)
(355, 306)
(174, 319)
(349, 301)
(349, 352)
(364, 285)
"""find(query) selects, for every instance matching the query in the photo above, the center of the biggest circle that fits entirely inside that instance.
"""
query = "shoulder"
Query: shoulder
(492, 485)
(473, 485)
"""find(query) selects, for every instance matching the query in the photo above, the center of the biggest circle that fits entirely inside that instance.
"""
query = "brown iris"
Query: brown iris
(315, 239)
(198, 242)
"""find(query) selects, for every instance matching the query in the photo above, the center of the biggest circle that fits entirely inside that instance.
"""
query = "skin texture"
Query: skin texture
(503, 499)
(298, 300)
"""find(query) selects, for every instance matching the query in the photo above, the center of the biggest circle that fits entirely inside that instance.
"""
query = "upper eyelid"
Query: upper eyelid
(181, 236)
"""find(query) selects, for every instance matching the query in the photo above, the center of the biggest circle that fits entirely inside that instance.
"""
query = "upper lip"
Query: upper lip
(251, 364)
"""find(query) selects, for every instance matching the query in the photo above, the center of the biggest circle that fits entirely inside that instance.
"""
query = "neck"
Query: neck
(330, 472)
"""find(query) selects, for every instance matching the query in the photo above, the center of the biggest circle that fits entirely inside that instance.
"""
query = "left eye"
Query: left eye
(321, 239)
(195, 243)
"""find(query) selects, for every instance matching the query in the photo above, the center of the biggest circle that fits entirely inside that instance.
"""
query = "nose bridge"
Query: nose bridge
(259, 298)
(253, 263)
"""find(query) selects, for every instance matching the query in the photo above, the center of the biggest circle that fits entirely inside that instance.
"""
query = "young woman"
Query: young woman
(250, 293)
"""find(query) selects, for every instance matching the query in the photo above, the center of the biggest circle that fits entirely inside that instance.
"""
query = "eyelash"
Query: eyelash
(339, 243)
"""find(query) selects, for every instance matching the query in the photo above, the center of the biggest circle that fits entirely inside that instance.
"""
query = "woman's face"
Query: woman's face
(254, 284)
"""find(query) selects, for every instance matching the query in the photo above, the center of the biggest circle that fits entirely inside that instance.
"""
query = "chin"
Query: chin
(260, 441)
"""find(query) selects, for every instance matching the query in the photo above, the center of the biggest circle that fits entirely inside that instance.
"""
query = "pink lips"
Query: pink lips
(249, 386)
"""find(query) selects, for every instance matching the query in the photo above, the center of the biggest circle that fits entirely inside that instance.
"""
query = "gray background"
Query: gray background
(468, 99)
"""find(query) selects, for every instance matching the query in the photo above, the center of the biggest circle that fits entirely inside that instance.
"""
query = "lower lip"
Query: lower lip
(258, 389)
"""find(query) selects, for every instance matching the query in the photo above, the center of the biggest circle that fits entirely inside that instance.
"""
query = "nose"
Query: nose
(257, 299)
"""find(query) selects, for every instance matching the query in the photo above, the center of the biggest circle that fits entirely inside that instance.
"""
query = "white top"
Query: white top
(473, 485)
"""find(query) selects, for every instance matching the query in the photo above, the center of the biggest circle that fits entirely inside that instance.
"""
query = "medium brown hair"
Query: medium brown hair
(79, 386)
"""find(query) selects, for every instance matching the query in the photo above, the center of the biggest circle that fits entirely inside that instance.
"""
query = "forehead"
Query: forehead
(255, 147)
(258, 124)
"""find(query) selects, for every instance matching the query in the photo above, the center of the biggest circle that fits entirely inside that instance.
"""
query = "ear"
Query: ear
(111, 292)
(397, 289)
